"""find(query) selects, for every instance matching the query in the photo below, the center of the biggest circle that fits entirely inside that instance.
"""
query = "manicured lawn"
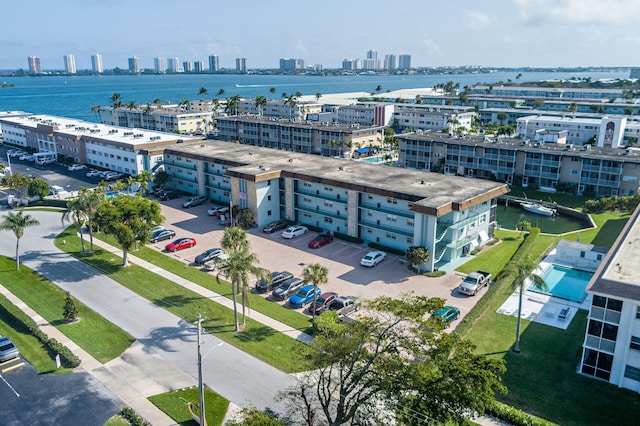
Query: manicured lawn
(542, 380)
(568, 200)
(12, 324)
(261, 341)
(493, 259)
(47, 299)
(174, 405)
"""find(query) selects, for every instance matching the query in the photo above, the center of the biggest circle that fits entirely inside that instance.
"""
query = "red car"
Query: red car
(320, 240)
(181, 243)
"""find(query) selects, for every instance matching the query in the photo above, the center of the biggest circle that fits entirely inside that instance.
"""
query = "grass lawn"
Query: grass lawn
(12, 324)
(568, 200)
(542, 380)
(47, 299)
(173, 404)
(261, 341)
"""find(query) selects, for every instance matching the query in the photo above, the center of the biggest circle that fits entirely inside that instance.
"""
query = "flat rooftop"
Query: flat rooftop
(327, 126)
(431, 193)
(619, 274)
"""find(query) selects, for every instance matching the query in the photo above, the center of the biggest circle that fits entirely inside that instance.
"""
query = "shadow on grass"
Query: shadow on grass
(176, 300)
(609, 232)
(255, 334)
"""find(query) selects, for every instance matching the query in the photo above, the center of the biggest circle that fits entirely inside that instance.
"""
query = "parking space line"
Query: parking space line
(10, 387)
(13, 367)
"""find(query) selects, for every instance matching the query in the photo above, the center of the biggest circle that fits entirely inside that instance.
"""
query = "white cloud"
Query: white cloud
(616, 12)
(476, 20)
(431, 46)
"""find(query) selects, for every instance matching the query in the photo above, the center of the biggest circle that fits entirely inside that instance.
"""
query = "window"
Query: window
(635, 343)
(328, 219)
(268, 197)
(268, 212)
(632, 373)
(582, 254)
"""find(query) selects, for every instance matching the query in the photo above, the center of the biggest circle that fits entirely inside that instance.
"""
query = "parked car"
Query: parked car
(373, 258)
(276, 226)
(112, 176)
(194, 201)
(181, 243)
(157, 190)
(27, 157)
(74, 167)
(287, 288)
(294, 231)
(55, 190)
(44, 161)
(323, 302)
(218, 211)
(170, 195)
(162, 234)
(448, 313)
(17, 153)
(8, 350)
(320, 240)
(93, 173)
(304, 296)
(277, 278)
(210, 254)
(344, 305)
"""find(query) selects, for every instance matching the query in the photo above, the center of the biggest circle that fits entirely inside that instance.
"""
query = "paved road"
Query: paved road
(229, 371)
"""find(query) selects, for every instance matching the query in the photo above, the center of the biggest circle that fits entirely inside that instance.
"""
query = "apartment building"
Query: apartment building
(124, 150)
(214, 63)
(611, 347)
(323, 138)
(566, 93)
(611, 132)
(363, 114)
(393, 207)
(96, 63)
(276, 108)
(161, 118)
(598, 171)
(34, 65)
(241, 65)
(69, 63)
(413, 117)
(134, 64)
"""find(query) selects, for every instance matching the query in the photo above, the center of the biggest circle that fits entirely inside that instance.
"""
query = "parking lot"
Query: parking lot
(346, 275)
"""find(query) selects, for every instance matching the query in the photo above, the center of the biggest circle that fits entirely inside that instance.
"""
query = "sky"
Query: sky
(493, 33)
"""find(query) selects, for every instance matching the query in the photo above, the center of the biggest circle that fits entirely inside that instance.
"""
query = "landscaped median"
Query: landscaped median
(48, 301)
(256, 339)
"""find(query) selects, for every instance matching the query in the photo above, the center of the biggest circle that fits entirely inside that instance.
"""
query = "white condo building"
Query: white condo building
(96, 63)
(69, 64)
(160, 65)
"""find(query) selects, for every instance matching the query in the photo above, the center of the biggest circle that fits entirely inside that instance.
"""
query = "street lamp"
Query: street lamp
(202, 420)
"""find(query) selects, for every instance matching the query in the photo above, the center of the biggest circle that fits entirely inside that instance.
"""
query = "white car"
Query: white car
(56, 190)
(218, 211)
(294, 231)
(373, 258)
(75, 167)
(93, 173)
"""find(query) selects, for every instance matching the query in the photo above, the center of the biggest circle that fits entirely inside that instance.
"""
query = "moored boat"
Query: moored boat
(539, 209)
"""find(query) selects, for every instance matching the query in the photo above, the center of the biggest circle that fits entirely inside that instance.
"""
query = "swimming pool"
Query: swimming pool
(374, 160)
(565, 283)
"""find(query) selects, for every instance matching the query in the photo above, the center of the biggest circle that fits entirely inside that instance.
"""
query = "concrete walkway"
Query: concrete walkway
(224, 301)
(120, 386)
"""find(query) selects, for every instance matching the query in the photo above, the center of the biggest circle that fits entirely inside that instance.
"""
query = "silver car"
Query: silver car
(7, 349)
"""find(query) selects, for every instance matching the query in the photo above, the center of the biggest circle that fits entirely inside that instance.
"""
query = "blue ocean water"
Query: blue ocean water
(73, 96)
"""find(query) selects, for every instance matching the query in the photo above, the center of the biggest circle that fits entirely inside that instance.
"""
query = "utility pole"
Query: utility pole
(200, 385)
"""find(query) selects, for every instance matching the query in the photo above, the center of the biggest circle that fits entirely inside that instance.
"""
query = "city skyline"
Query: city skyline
(517, 33)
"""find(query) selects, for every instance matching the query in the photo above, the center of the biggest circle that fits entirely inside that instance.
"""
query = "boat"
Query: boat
(538, 209)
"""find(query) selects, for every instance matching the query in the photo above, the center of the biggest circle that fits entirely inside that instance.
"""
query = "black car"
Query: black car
(170, 195)
(277, 278)
(162, 234)
(276, 226)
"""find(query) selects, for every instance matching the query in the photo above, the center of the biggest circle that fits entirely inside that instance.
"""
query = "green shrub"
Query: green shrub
(386, 249)
(435, 274)
(314, 228)
(133, 417)
(348, 238)
(514, 416)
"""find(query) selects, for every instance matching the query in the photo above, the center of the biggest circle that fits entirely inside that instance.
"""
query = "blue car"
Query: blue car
(304, 296)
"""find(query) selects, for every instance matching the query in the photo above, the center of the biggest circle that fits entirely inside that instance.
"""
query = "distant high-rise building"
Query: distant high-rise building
(198, 66)
(372, 62)
(404, 62)
(214, 63)
(173, 65)
(290, 64)
(34, 65)
(187, 66)
(70, 64)
(351, 64)
(96, 63)
(160, 65)
(390, 62)
(241, 65)
(134, 64)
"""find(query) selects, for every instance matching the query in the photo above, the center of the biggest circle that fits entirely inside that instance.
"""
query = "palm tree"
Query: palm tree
(318, 96)
(132, 105)
(96, 110)
(521, 271)
(89, 201)
(117, 100)
(143, 178)
(317, 274)
(184, 104)
(157, 101)
(272, 90)
(220, 92)
(291, 100)
(232, 104)
(16, 222)
(76, 213)
(203, 91)
(261, 102)
(237, 267)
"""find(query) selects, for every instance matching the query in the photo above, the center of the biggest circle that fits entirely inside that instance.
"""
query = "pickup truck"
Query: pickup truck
(472, 283)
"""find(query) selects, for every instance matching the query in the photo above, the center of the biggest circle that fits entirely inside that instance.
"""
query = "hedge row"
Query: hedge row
(514, 416)
(387, 249)
(348, 238)
(132, 417)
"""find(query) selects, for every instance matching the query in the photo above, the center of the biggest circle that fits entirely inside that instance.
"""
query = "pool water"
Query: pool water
(374, 160)
(565, 283)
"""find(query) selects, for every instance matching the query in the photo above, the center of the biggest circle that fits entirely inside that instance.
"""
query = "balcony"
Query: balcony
(459, 224)
(334, 214)
(383, 227)
(322, 196)
(383, 207)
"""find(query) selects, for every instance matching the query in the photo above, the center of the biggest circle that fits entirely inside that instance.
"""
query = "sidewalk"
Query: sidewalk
(119, 385)
(257, 316)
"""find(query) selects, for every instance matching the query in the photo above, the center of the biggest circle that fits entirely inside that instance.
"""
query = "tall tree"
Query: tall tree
(316, 274)
(261, 102)
(116, 100)
(96, 111)
(131, 105)
(318, 96)
(232, 104)
(76, 213)
(143, 178)
(220, 92)
(418, 256)
(383, 365)
(272, 90)
(16, 223)
(19, 183)
(239, 264)
(129, 220)
(203, 91)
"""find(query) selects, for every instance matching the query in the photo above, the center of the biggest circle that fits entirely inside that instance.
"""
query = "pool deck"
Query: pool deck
(543, 308)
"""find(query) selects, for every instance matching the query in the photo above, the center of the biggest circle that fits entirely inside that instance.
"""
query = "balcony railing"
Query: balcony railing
(385, 209)
(322, 212)
(320, 195)
(384, 227)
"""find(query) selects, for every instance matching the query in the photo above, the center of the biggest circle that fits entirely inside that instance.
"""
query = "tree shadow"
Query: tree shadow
(176, 300)
(609, 232)
(255, 334)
